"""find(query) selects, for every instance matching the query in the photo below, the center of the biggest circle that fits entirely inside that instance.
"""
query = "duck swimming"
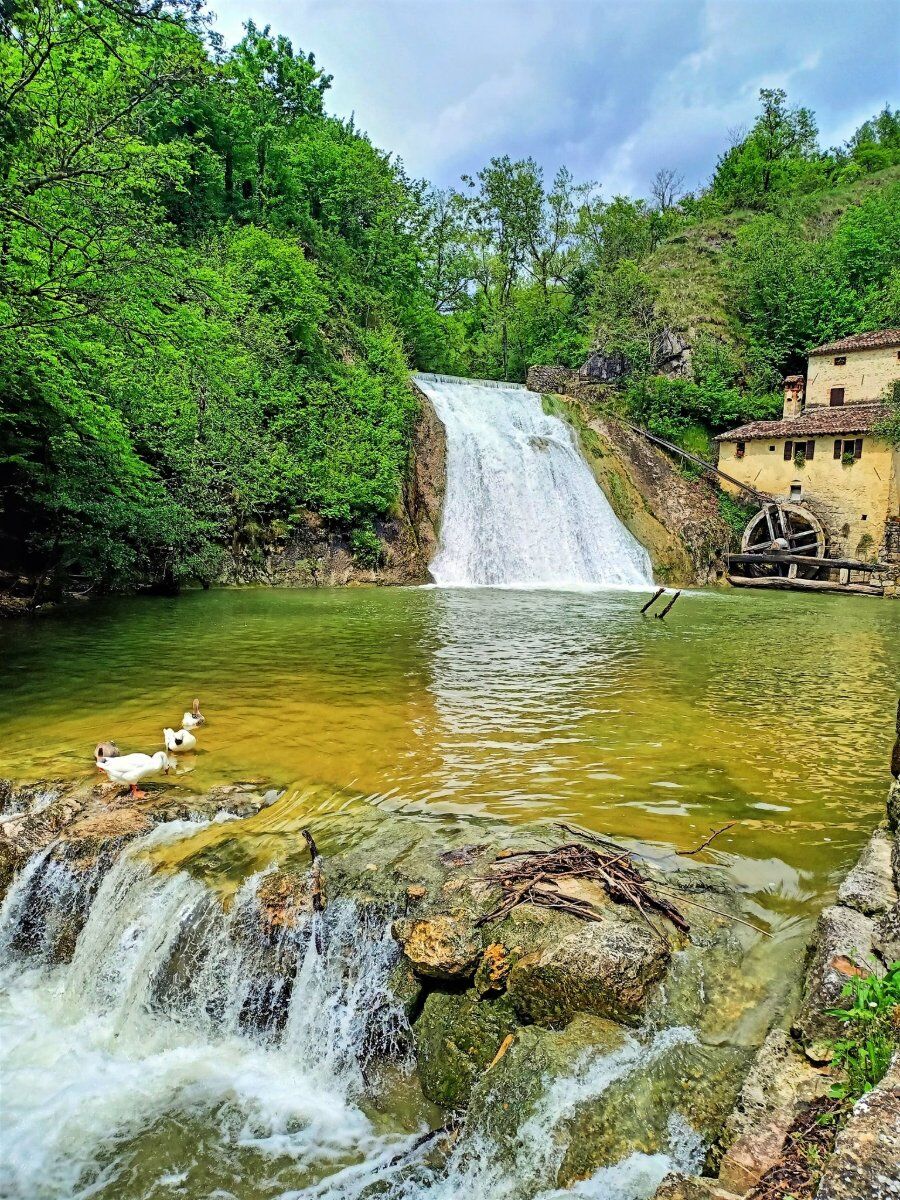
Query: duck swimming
(182, 740)
(193, 719)
(132, 768)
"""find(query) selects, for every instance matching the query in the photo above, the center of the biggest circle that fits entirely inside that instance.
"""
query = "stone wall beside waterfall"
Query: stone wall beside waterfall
(675, 517)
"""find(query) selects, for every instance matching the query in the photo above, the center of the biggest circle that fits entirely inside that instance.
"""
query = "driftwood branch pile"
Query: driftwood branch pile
(533, 877)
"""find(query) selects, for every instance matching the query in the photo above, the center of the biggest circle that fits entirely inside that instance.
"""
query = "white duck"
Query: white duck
(132, 768)
(182, 740)
(193, 719)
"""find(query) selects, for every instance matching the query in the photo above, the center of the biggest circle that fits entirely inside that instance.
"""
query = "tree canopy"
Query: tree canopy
(212, 290)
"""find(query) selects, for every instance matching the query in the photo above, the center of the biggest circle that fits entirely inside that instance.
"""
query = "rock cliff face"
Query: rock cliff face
(318, 556)
(677, 519)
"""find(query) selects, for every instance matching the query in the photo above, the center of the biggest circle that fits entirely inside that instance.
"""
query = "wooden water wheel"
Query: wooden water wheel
(784, 529)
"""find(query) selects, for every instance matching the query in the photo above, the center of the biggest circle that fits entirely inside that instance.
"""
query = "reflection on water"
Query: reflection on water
(771, 710)
(132, 1080)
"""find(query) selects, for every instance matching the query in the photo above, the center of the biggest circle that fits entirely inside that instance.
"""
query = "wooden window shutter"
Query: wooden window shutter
(837, 448)
(810, 449)
(836, 397)
(857, 448)
(788, 451)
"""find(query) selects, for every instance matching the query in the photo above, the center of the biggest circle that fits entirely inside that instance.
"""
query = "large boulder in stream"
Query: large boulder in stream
(606, 968)
(586, 1096)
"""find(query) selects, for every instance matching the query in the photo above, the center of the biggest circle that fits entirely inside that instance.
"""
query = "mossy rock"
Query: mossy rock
(506, 1096)
(607, 968)
(456, 1037)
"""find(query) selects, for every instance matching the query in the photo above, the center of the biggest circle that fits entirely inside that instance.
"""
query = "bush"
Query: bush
(366, 546)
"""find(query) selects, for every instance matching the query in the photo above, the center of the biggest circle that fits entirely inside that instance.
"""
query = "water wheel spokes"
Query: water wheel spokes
(784, 529)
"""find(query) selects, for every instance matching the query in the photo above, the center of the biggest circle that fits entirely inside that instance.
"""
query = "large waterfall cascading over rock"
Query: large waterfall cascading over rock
(521, 506)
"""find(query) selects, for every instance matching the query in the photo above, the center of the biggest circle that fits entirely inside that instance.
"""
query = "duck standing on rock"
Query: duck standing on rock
(132, 768)
(193, 719)
(182, 740)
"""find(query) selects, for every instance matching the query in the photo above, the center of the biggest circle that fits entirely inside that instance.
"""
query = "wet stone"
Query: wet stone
(606, 968)
(866, 1159)
(842, 948)
(869, 886)
(440, 947)
(456, 1037)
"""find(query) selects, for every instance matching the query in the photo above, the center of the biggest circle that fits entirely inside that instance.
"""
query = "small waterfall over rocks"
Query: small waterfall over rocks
(166, 1020)
(521, 507)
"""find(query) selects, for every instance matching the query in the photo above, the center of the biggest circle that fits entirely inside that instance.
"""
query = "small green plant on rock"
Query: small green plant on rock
(366, 546)
(734, 514)
(872, 1025)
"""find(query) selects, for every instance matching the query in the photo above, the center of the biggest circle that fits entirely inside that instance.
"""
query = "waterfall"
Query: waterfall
(174, 1010)
(190, 1036)
(521, 506)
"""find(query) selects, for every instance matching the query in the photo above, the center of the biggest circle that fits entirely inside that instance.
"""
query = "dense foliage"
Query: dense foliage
(787, 247)
(211, 290)
(208, 293)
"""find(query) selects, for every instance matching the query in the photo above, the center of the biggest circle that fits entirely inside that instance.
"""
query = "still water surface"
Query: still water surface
(770, 710)
(774, 712)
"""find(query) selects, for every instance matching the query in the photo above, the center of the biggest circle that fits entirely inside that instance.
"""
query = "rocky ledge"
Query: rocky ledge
(498, 997)
(780, 1139)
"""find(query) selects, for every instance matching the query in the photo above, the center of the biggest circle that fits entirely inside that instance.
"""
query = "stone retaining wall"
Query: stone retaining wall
(550, 379)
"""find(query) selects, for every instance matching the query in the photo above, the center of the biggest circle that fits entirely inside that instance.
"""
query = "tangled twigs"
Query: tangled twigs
(533, 876)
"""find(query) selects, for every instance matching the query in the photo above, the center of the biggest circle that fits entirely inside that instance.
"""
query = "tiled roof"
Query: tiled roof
(861, 341)
(847, 418)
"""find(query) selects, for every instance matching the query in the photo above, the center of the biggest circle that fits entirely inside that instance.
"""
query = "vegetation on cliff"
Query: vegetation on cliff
(211, 290)
(787, 247)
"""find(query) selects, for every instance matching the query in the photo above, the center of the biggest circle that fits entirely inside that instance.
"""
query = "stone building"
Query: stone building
(824, 451)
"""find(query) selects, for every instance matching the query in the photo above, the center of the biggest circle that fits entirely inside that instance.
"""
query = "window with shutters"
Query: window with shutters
(836, 397)
(800, 452)
(847, 450)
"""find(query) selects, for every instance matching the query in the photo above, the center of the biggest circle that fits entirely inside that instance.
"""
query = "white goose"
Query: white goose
(132, 768)
(182, 740)
(193, 719)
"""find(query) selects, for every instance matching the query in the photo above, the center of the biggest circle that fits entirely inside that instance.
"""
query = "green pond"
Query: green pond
(771, 711)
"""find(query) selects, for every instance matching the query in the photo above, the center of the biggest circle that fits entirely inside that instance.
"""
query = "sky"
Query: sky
(615, 90)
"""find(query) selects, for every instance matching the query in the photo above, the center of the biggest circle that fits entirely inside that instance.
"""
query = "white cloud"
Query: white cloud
(613, 89)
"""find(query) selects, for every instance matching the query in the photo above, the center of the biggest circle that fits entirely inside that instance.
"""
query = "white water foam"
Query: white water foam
(521, 507)
(160, 1017)
(157, 1016)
